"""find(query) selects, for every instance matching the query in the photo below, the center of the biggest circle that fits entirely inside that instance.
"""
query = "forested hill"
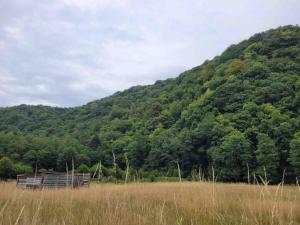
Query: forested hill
(239, 110)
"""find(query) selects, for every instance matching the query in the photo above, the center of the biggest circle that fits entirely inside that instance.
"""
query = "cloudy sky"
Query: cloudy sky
(69, 52)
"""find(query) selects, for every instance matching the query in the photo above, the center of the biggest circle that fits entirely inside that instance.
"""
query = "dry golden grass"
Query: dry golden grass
(152, 203)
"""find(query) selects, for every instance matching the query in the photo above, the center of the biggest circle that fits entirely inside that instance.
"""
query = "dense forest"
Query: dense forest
(236, 113)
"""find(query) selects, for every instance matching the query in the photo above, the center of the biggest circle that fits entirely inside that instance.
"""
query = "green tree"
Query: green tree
(95, 142)
(252, 87)
(267, 158)
(83, 158)
(294, 158)
(67, 156)
(6, 168)
(19, 168)
(231, 157)
(235, 67)
(138, 150)
(83, 169)
(31, 157)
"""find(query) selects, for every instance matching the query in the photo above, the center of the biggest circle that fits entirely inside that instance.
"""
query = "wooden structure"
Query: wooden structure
(53, 180)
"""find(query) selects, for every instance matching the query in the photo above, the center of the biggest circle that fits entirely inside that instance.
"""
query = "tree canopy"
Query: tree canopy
(237, 111)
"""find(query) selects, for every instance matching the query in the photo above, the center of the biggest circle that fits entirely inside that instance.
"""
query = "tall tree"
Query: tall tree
(6, 168)
(231, 157)
(267, 158)
(95, 142)
(294, 158)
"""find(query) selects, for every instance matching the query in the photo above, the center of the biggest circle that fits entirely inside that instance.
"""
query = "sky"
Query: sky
(69, 52)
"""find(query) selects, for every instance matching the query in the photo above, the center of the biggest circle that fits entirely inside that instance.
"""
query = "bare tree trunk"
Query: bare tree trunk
(73, 173)
(67, 170)
(138, 178)
(100, 171)
(248, 173)
(96, 170)
(115, 165)
(127, 168)
(200, 175)
(179, 173)
(35, 169)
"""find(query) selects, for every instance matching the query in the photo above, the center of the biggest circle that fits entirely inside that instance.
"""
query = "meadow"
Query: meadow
(186, 203)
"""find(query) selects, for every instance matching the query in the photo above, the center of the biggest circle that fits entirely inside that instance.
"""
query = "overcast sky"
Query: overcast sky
(70, 52)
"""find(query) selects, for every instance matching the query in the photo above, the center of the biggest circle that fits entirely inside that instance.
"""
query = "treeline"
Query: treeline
(98, 172)
(236, 113)
(8, 169)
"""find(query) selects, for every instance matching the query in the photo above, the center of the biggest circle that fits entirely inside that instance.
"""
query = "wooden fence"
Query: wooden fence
(53, 180)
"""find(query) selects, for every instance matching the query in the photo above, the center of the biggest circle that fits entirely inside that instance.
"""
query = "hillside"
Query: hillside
(239, 110)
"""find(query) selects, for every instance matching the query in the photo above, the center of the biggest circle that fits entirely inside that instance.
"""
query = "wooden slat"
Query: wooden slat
(53, 180)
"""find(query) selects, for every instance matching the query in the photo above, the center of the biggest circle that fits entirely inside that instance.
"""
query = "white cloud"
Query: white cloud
(69, 52)
(14, 32)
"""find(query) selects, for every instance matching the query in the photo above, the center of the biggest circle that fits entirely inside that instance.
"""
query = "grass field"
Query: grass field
(152, 203)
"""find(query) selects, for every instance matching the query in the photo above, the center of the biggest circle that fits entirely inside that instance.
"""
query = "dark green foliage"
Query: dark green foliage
(267, 158)
(6, 168)
(138, 150)
(231, 158)
(10, 170)
(295, 154)
(238, 111)
(95, 142)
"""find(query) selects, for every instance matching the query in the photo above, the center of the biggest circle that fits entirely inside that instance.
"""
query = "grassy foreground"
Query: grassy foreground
(152, 203)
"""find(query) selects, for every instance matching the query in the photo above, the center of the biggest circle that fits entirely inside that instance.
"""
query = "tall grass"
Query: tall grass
(182, 203)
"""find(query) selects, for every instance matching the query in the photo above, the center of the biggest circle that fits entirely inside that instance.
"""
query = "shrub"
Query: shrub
(6, 168)
(21, 169)
(83, 169)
